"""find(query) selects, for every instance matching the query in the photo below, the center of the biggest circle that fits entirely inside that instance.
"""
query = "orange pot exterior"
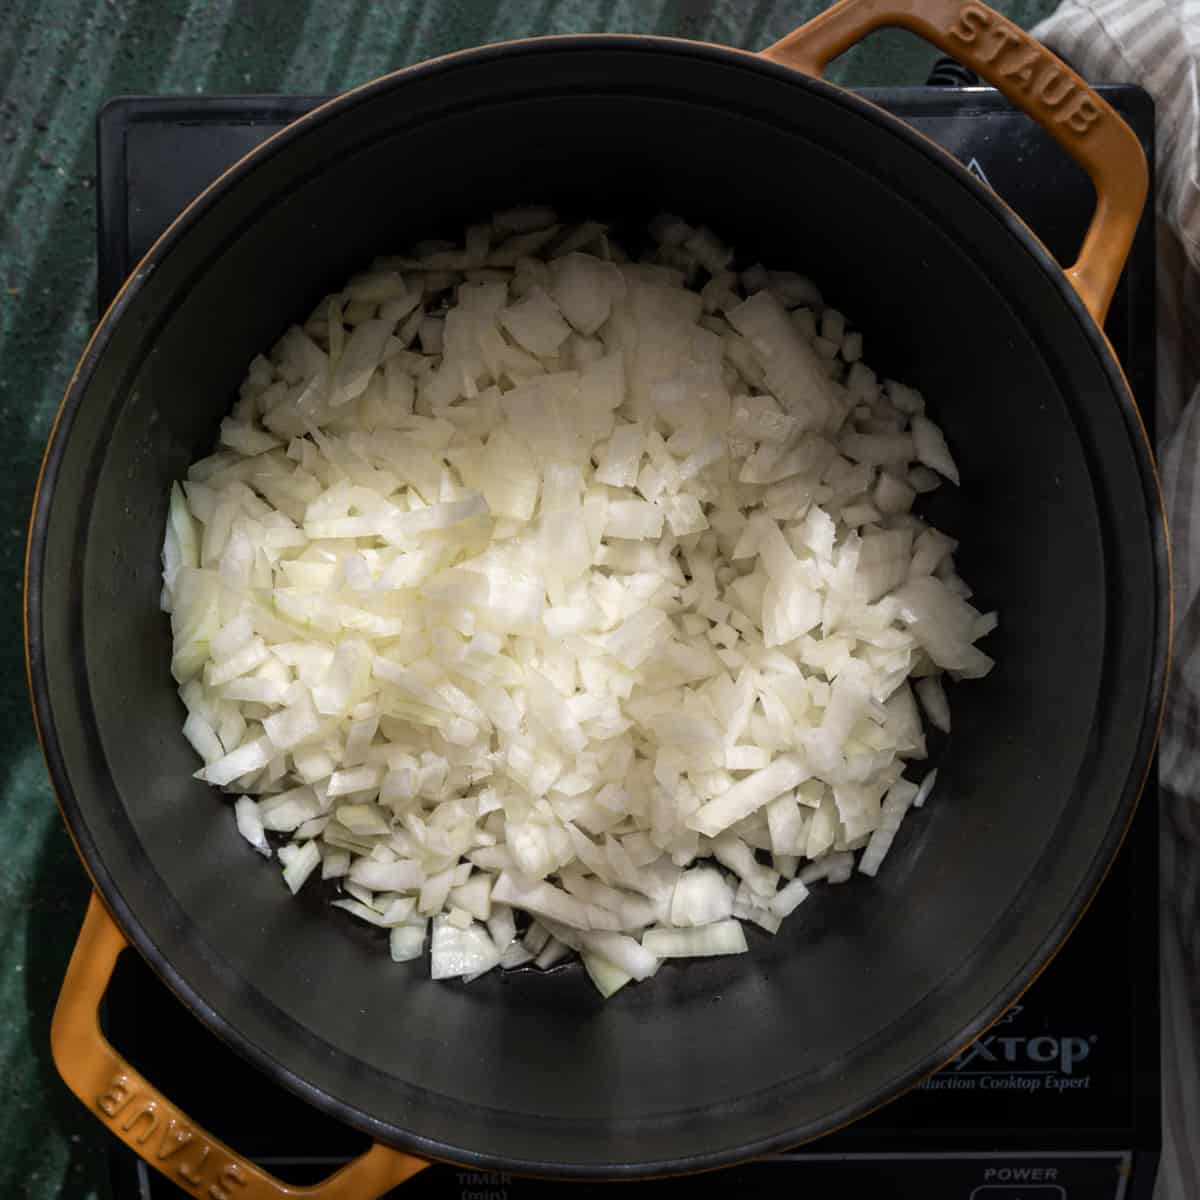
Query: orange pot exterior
(1037, 82)
(135, 1111)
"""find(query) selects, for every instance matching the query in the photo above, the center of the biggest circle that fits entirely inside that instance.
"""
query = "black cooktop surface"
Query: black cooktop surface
(1059, 1101)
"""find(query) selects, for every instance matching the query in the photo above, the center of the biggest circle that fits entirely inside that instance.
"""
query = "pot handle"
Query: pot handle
(149, 1124)
(1037, 82)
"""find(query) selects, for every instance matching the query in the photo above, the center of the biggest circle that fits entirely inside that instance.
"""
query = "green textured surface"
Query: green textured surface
(59, 61)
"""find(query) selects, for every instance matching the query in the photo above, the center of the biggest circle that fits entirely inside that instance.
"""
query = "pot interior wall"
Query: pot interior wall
(866, 984)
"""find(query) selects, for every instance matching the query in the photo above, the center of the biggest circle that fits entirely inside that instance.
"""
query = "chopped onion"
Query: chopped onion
(407, 942)
(461, 951)
(925, 789)
(532, 582)
(250, 825)
(932, 449)
(933, 700)
(301, 866)
(723, 937)
(749, 795)
(789, 898)
(702, 896)
(607, 978)
(623, 952)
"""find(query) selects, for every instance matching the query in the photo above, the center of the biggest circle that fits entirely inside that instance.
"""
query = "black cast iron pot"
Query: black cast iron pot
(869, 987)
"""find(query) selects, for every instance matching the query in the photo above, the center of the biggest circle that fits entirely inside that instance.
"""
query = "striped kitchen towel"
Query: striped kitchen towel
(1156, 43)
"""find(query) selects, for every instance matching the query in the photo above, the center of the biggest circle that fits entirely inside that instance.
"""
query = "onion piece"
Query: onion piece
(250, 825)
(407, 942)
(623, 952)
(933, 700)
(608, 979)
(932, 449)
(925, 789)
(749, 795)
(722, 937)
(302, 865)
(456, 952)
(701, 897)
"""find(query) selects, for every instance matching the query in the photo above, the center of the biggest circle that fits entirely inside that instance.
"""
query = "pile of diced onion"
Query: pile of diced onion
(544, 600)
